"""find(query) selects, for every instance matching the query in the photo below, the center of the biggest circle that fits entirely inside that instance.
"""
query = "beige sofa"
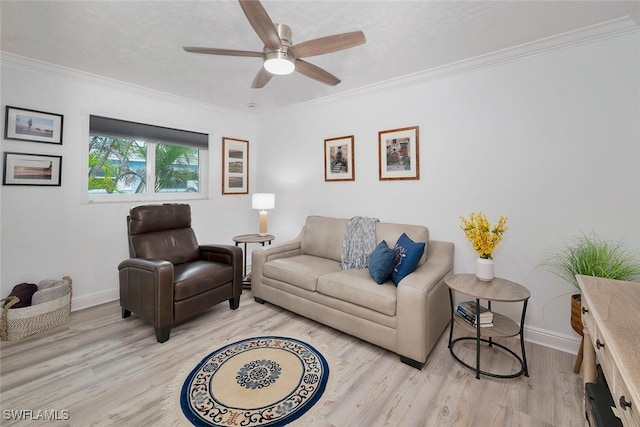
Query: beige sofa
(304, 276)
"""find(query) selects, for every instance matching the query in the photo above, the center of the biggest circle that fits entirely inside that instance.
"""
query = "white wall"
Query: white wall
(551, 141)
(47, 232)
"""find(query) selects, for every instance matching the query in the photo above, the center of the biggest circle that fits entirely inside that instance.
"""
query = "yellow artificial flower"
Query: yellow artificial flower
(483, 238)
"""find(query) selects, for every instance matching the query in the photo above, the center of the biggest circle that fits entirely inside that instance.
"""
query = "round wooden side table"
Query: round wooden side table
(496, 290)
(250, 238)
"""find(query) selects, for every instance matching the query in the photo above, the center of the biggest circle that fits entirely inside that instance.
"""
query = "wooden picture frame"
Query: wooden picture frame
(235, 166)
(398, 154)
(33, 126)
(32, 169)
(338, 159)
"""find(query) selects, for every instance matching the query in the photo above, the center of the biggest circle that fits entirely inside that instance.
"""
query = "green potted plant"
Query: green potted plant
(591, 255)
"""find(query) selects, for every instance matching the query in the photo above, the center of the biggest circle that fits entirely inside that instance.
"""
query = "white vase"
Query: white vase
(484, 269)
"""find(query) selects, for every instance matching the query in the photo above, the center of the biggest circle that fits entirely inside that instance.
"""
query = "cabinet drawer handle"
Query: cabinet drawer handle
(599, 344)
(585, 310)
(624, 404)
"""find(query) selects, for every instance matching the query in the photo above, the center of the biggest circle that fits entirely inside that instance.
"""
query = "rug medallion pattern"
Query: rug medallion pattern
(262, 381)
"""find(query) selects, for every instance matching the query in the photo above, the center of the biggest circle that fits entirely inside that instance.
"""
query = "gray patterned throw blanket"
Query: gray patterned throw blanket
(359, 241)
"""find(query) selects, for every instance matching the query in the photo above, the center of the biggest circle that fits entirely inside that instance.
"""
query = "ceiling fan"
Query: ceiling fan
(279, 55)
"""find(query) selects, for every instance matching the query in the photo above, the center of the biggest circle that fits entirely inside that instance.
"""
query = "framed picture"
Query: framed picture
(398, 154)
(31, 125)
(338, 159)
(31, 169)
(235, 166)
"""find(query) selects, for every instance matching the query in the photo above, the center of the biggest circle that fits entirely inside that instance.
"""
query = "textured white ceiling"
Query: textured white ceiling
(141, 42)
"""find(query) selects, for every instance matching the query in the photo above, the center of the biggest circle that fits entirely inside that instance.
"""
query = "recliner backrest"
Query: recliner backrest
(162, 232)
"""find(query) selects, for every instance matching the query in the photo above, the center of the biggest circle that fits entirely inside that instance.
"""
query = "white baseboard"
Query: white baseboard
(561, 342)
(80, 303)
(543, 337)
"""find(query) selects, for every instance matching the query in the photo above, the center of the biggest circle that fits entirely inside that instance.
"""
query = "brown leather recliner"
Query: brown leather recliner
(169, 277)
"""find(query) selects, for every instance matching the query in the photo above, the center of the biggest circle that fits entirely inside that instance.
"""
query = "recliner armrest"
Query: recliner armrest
(146, 288)
(226, 254)
(146, 264)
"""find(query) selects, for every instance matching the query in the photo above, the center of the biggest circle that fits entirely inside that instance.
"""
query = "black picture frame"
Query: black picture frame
(32, 169)
(21, 124)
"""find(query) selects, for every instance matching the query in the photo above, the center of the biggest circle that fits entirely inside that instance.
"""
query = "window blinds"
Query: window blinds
(115, 128)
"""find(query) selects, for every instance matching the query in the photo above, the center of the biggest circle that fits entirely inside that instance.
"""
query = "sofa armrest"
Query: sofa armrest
(226, 254)
(423, 308)
(146, 288)
(263, 254)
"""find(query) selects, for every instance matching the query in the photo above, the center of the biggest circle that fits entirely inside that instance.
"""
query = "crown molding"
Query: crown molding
(614, 28)
(31, 64)
(604, 30)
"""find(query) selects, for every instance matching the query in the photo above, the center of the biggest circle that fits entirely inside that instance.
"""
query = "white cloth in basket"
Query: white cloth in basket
(48, 290)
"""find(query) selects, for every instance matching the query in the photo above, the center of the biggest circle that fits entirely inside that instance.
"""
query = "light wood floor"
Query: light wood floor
(109, 371)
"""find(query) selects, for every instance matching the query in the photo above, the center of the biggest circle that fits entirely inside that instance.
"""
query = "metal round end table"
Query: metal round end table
(250, 238)
(496, 290)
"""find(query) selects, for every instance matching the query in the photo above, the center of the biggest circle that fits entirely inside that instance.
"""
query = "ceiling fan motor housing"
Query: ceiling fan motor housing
(280, 61)
(284, 31)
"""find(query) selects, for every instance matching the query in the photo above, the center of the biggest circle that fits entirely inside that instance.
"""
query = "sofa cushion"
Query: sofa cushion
(381, 262)
(355, 286)
(301, 270)
(323, 237)
(408, 254)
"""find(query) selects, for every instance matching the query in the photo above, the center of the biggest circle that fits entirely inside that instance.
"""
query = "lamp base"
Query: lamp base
(263, 223)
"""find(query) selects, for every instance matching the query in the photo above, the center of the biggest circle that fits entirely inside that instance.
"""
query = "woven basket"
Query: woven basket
(21, 322)
(576, 313)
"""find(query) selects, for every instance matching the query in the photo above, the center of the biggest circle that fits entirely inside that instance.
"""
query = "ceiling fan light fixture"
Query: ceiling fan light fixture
(279, 63)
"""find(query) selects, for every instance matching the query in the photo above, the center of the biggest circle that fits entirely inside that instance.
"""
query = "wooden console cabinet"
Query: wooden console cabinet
(611, 319)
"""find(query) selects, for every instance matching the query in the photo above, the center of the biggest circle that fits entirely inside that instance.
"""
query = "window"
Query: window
(127, 158)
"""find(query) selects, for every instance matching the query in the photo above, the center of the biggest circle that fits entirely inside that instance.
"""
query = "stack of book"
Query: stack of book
(468, 312)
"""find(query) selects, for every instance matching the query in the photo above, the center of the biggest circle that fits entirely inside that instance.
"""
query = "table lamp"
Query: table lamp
(263, 201)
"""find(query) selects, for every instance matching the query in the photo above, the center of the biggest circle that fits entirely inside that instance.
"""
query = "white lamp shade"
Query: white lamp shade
(263, 201)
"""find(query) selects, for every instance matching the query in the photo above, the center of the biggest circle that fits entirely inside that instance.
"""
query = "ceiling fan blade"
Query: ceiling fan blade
(261, 23)
(316, 73)
(261, 79)
(328, 44)
(228, 52)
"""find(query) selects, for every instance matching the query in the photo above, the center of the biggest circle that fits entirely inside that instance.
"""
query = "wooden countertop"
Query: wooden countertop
(615, 306)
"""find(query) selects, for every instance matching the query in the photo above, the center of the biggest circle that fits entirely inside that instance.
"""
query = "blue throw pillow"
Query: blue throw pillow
(408, 254)
(381, 262)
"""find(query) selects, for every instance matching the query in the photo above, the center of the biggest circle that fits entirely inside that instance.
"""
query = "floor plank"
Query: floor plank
(109, 371)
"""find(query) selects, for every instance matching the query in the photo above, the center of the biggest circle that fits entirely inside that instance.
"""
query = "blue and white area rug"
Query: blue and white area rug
(261, 381)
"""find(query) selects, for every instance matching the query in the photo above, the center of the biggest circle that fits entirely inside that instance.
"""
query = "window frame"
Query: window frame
(203, 175)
